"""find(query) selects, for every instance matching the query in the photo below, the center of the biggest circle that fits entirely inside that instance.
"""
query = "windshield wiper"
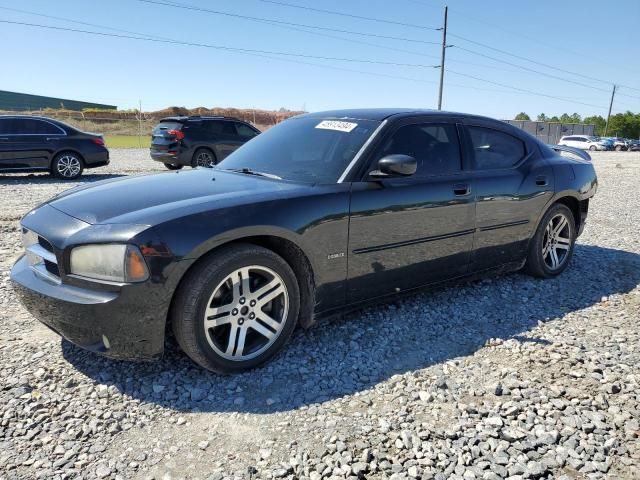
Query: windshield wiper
(249, 171)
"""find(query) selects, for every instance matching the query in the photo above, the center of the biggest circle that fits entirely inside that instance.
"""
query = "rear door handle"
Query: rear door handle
(541, 181)
(461, 189)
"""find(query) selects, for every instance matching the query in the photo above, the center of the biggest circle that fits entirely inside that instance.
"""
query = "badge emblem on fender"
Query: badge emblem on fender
(333, 256)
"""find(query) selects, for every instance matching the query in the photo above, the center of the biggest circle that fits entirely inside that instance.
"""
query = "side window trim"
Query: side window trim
(42, 120)
(527, 151)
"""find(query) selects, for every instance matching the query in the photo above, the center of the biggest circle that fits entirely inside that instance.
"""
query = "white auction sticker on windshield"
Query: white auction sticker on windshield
(337, 125)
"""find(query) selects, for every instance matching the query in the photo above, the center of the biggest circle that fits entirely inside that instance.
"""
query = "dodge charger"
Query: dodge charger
(323, 212)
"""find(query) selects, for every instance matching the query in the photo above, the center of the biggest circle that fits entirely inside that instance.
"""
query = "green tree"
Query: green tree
(542, 118)
(554, 119)
(522, 116)
(596, 120)
(625, 125)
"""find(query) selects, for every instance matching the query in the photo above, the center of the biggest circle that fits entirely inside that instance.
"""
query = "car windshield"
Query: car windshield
(305, 149)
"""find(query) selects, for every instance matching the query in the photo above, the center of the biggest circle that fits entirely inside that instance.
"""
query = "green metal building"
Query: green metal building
(14, 101)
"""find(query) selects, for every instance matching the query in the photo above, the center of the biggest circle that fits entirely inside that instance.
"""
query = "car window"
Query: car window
(245, 131)
(434, 146)
(495, 149)
(5, 126)
(164, 127)
(304, 149)
(228, 129)
(44, 128)
(213, 127)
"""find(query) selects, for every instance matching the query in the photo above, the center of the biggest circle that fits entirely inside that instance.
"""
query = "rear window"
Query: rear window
(163, 127)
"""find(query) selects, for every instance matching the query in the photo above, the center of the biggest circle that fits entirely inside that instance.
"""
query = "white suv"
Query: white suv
(585, 142)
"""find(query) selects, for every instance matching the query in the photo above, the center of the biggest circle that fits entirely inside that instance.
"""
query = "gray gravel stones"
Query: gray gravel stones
(506, 377)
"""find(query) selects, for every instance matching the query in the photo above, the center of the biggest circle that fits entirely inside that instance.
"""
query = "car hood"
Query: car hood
(149, 199)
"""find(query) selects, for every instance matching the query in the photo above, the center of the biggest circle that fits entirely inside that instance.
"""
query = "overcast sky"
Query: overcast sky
(592, 38)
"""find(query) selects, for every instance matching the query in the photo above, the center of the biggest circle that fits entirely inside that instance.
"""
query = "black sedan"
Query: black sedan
(39, 144)
(323, 212)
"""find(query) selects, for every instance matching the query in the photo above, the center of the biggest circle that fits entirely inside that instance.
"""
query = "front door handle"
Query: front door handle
(541, 181)
(461, 189)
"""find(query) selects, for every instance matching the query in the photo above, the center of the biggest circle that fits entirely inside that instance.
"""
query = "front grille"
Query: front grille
(41, 255)
(52, 268)
(45, 244)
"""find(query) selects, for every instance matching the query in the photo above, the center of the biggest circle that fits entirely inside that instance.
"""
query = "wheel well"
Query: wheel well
(292, 254)
(573, 205)
(208, 149)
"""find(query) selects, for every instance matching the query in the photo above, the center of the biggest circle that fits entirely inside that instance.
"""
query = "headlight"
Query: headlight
(109, 262)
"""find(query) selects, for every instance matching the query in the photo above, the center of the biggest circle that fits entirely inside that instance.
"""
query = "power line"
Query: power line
(343, 14)
(219, 47)
(534, 61)
(294, 26)
(537, 72)
(269, 54)
(280, 22)
(533, 39)
(531, 92)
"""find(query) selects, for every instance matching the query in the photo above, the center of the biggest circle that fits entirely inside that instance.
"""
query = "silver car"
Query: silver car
(585, 142)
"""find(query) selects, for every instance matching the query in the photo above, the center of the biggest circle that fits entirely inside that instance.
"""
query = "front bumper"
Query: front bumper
(117, 324)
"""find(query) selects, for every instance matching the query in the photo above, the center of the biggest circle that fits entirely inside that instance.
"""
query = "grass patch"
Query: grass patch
(127, 141)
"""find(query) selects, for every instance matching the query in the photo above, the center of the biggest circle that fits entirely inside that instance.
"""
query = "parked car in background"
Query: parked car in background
(619, 144)
(322, 212)
(40, 144)
(634, 145)
(586, 142)
(198, 141)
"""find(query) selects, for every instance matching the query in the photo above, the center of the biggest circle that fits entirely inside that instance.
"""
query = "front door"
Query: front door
(23, 145)
(411, 231)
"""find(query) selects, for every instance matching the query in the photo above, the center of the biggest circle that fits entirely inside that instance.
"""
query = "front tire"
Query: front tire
(67, 165)
(593, 148)
(552, 245)
(203, 157)
(236, 309)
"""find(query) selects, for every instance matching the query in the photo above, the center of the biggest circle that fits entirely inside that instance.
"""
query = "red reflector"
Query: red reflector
(176, 133)
(98, 141)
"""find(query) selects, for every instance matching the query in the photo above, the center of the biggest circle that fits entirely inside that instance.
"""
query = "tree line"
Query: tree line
(626, 125)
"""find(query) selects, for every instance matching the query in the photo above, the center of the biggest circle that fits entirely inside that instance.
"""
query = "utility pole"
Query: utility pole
(444, 49)
(606, 126)
(140, 123)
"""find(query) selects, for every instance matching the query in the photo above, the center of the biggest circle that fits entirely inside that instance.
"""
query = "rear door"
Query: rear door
(513, 183)
(226, 137)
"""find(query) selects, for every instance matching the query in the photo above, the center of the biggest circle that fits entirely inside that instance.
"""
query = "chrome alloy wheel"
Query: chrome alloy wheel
(557, 241)
(68, 166)
(246, 313)
(205, 159)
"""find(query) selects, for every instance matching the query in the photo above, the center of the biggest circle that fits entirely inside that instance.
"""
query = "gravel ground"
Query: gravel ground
(507, 377)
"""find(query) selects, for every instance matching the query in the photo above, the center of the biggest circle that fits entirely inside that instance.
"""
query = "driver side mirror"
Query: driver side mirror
(395, 166)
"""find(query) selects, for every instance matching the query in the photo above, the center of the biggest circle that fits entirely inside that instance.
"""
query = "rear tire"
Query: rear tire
(551, 248)
(67, 165)
(203, 157)
(618, 148)
(171, 166)
(236, 308)
(593, 148)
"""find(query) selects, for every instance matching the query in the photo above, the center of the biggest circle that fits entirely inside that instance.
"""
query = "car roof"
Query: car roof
(185, 118)
(380, 114)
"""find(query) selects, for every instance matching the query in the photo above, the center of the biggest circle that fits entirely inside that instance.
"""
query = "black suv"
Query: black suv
(198, 141)
(36, 144)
